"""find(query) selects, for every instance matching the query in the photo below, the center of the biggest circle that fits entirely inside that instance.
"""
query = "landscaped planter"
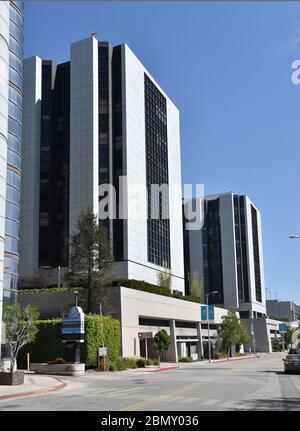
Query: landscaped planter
(11, 379)
(60, 369)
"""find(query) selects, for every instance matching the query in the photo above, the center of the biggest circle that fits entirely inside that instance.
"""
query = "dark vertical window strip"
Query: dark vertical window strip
(45, 164)
(212, 251)
(104, 118)
(158, 230)
(186, 255)
(245, 272)
(256, 254)
(60, 164)
(118, 226)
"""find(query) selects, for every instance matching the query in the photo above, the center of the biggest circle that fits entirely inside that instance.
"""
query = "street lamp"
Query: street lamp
(209, 350)
(76, 297)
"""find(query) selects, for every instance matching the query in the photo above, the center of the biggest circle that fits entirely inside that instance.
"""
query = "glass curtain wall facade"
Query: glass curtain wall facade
(54, 165)
(241, 248)
(212, 252)
(157, 173)
(13, 177)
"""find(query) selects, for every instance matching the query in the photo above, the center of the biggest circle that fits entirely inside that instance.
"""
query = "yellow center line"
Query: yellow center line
(160, 397)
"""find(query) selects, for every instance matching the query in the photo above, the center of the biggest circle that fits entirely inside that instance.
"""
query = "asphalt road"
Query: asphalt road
(255, 384)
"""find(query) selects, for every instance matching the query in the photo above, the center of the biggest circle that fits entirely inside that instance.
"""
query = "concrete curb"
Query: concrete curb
(217, 361)
(36, 391)
(161, 369)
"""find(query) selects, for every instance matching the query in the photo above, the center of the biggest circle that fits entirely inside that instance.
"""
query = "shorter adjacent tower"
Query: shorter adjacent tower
(227, 256)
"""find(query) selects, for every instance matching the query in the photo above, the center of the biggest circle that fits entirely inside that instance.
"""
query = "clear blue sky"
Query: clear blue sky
(227, 66)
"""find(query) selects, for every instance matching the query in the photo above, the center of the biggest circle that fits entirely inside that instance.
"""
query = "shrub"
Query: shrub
(128, 362)
(140, 363)
(155, 362)
(48, 345)
(58, 361)
(186, 359)
(121, 365)
(112, 367)
(149, 361)
(220, 355)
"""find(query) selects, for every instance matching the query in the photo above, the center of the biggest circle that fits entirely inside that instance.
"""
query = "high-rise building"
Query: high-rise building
(287, 310)
(11, 75)
(89, 122)
(226, 254)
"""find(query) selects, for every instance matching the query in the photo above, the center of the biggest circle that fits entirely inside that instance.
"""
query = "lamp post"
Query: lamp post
(76, 297)
(207, 319)
(253, 333)
(58, 276)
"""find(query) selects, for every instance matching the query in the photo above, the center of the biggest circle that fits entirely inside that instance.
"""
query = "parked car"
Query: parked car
(292, 363)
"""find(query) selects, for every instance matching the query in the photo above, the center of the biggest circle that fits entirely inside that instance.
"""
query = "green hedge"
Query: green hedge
(152, 288)
(48, 345)
(47, 290)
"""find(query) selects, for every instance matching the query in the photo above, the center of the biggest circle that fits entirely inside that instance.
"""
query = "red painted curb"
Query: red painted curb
(36, 391)
(231, 360)
(161, 369)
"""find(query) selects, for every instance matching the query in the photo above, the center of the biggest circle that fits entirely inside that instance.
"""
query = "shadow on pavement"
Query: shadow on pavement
(204, 369)
(272, 404)
(281, 373)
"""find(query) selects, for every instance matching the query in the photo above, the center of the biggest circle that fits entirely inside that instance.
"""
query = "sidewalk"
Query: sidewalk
(34, 384)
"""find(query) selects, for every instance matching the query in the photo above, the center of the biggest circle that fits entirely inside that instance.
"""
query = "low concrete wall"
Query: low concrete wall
(52, 304)
(262, 327)
(59, 369)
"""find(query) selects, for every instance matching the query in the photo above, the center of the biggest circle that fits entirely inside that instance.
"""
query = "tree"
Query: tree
(195, 286)
(232, 331)
(288, 336)
(20, 328)
(90, 258)
(245, 336)
(161, 342)
(164, 279)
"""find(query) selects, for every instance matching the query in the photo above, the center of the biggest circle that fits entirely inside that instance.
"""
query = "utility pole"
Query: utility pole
(102, 335)
(58, 276)
(207, 319)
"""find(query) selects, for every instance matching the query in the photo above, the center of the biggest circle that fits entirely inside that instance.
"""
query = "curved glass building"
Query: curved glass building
(14, 139)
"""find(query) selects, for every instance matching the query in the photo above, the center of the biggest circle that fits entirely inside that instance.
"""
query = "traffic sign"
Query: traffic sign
(102, 351)
(282, 327)
(143, 335)
(73, 326)
(211, 312)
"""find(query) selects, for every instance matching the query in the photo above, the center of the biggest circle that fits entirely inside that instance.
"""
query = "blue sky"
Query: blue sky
(227, 67)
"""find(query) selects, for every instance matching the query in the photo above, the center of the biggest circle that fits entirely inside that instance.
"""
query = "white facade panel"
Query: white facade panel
(30, 186)
(84, 128)
(256, 306)
(230, 283)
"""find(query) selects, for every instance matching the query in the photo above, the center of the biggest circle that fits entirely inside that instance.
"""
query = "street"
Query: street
(254, 384)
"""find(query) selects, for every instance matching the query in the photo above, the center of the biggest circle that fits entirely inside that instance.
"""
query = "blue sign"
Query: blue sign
(73, 325)
(211, 312)
(282, 327)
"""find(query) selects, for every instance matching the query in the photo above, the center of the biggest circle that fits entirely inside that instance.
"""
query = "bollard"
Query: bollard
(28, 362)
